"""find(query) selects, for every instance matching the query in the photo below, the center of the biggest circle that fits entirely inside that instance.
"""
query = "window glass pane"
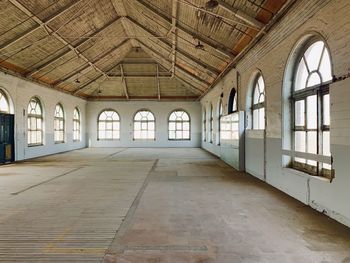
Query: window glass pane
(186, 126)
(312, 112)
(313, 55)
(301, 76)
(256, 119)
(151, 126)
(326, 110)
(300, 145)
(314, 79)
(186, 134)
(300, 113)
(325, 67)
(262, 118)
(326, 143)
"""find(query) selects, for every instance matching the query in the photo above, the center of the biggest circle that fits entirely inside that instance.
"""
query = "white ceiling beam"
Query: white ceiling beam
(125, 85)
(240, 15)
(173, 30)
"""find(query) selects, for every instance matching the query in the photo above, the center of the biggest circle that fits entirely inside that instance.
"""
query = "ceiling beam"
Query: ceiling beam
(228, 52)
(179, 68)
(125, 85)
(40, 25)
(85, 40)
(53, 33)
(164, 59)
(173, 31)
(158, 83)
(95, 60)
(240, 14)
(85, 85)
(139, 76)
(199, 63)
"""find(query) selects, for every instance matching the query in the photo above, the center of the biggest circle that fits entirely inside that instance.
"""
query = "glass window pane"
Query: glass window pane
(326, 143)
(314, 79)
(326, 110)
(325, 67)
(312, 112)
(262, 118)
(301, 76)
(300, 113)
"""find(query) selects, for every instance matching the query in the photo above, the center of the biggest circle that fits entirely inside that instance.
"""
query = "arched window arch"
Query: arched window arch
(76, 125)
(258, 103)
(35, 122)
(144, 125)
(310, 111)
(108, 125)
(232, 101)
(220, 114)
(4, 102)
(179, 125)
(59, 124)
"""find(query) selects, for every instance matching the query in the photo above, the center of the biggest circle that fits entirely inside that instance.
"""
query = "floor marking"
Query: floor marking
(46, 181)
(114, 246)
(113, 154)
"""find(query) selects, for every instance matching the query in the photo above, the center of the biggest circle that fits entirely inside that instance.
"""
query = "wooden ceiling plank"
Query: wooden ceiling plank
(96, 60)
(85, 40)
(184, 53)
(190, 31)
(39, 25)
(56, 35)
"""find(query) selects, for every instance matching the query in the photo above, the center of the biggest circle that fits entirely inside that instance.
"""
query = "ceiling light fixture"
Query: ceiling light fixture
(211, 4)
(199, 46)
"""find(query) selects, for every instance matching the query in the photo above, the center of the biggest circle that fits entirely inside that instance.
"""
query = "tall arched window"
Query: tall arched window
(179, 125)
(258, 106)
(204, 125)
(59, 124)
(144, 125)
(76, 125)
(220, 113)
(311, 110)
(232, 101)
(4, 103)
(108, 125)
(35, 122)
(211, 123)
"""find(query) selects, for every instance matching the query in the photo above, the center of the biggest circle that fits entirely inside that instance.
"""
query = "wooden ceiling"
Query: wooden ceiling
(128, 49)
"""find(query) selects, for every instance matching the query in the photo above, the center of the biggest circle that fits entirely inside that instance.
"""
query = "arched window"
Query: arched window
(35, 122)
(179, 125)
(4, 103)
(220, 113)
(59, 124)
(108, 125)
(311, 110)
(258, 106)
(144, 126)
(211, 123)
(204, 125)
(232, 101)
(76, 125)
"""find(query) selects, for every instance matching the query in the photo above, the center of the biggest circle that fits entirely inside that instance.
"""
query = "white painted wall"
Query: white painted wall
(127, 110)
(20, 92)
(270, 56)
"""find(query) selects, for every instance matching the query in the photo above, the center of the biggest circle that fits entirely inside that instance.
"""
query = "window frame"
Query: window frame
(108, 121)
(220, 115)
(59, 120)
(148, 121)
(4, 95)
(319, 90)
(182, 122)
(233, 101)
(260, 105)
(211, 123)
(204, 125)
(37, 117)
(78, 122)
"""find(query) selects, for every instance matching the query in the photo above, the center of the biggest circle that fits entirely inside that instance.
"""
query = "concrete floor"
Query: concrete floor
(155, 205)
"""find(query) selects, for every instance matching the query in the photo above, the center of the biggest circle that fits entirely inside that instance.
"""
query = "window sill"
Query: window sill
(35, 145)
(305, 175)
(107, 140)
